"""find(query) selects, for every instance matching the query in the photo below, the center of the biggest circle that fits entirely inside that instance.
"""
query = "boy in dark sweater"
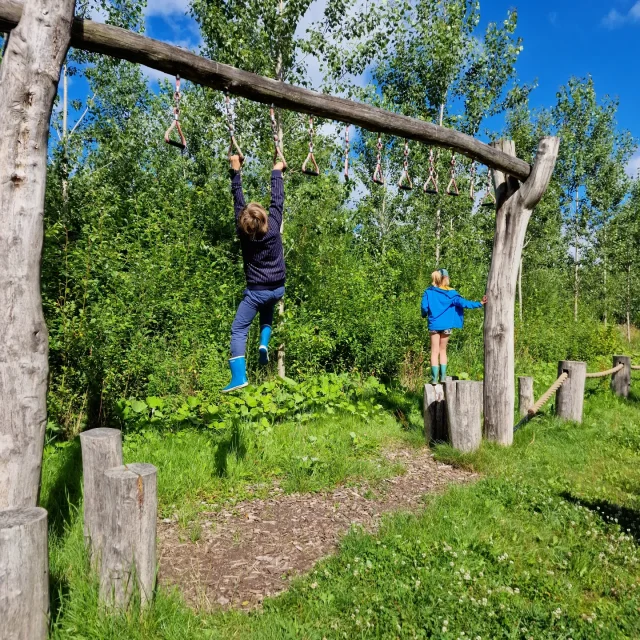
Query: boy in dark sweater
(263, 258)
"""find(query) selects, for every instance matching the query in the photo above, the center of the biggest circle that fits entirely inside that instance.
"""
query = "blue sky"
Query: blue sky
(562, 38)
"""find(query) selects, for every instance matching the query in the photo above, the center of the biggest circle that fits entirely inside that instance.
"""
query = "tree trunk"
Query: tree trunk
(464, 414)
(629, 303)
(621, 381)
(520, 290)
(606, 268)
(570, 396)
(24, 574)
(515, 202)
(576, 263)
(29, 74)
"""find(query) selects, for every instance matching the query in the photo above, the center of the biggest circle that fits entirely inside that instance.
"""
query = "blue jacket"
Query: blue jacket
(444, 308)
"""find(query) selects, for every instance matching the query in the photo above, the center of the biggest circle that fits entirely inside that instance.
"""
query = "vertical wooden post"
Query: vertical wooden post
(101, 450)
(29, 73)
(464, 413)
(621, 381)
(128, 562)
(435, 414)
(515, 202)
(24, 574)
(570, 396)
(525, 394)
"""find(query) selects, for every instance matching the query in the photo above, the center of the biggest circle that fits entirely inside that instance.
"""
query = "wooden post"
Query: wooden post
(525, 394)
(464, 413)
(435, 414)
(101, 450)
(621, 381)
(128, 562)
(570, 396)
(29, 73)
(24, 574)
(515, 202)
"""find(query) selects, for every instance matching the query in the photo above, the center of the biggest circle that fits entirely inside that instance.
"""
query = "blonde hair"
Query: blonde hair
(438, 280)
(254, 221)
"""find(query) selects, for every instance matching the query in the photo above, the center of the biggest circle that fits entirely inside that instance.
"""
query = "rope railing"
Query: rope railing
(544, 398)
(608, 372)
(635, 367)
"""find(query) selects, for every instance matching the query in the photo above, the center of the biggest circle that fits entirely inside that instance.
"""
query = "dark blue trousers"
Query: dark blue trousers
(253, 302)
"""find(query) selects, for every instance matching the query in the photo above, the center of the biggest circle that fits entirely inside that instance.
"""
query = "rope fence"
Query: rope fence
(544, 398)
(608, 372)
(635, 367)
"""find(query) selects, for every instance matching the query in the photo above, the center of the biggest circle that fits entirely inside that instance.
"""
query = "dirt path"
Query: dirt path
(252, 552)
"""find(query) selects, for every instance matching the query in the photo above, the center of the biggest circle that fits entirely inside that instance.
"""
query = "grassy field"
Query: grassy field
(545, 545)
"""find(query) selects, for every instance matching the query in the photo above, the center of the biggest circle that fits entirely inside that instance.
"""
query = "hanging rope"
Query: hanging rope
(234, 147)
(182, 143)
(431, 185)
(608, 372)
(377, 177)
(346, 153)
(544, 398)
(313, 170)
(452, 187)
(472, 181)
(405, 182)
(276, 138)
(489, 199)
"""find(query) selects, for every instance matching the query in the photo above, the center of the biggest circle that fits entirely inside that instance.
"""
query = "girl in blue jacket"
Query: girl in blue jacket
(444, 308)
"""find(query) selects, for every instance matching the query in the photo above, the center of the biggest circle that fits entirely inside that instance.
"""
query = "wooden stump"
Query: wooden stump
(101, 450)
(621, 381)
(525, 394)
(435, 414)
(24, 574)
(464, 413)
(570, 396)
(128, 562)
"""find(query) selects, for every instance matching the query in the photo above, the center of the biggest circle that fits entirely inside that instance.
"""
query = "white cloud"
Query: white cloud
(155, 75)
(166, 8)
(615, 19)
(633, 166)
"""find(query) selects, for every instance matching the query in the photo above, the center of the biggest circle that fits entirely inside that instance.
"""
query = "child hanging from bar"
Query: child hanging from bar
(444, 309)
(264, 269)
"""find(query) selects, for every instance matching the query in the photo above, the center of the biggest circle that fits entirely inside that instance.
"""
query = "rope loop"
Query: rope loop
(377, 177)
(313, 170)
(489, 199)
(175, 124)
(405, 183)
(452, 187)
(276, 137)
(431, 185)
(234, 147)
(472, 180)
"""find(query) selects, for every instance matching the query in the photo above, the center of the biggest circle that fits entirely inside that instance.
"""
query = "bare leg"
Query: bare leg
(435, 348)
(444, 341)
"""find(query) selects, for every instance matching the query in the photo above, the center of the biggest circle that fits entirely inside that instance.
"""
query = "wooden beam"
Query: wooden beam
(126, 45)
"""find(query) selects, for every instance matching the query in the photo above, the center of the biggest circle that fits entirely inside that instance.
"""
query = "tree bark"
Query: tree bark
(525, 394)
(29, 74)
(621, 381)
(120, 43)
(24, 574)
(515, 202)
(520, 290)
(464, 413)
(435, 414)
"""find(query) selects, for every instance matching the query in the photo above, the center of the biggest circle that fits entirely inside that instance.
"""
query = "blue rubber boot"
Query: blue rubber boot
(238, 368)
(263, 349)
(443, 373)
(434, 374)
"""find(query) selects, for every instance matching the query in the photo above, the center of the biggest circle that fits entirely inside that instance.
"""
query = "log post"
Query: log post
(29, 73)
(464, 413)
(525, 394)
(128, 563)
(621, 381)
(24, 574)
(515, 202)
(435, 414)
(101, 450)
(570, 396)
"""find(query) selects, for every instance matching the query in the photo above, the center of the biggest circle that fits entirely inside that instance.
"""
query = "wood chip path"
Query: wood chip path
(252, 551)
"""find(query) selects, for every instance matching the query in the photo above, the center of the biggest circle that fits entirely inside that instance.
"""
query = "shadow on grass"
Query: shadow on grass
(402, 404)
(232, 445)
(611, 513)
(65, 495)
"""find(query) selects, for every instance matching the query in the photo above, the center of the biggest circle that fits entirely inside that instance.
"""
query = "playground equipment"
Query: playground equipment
(175, 123)
(234, 147)
(405, 182)
(312, 170)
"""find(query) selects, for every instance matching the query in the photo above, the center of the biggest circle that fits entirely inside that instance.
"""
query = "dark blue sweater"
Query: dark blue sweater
(263, 257)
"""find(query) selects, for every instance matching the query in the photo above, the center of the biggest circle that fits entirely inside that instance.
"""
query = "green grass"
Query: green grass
(545, 545)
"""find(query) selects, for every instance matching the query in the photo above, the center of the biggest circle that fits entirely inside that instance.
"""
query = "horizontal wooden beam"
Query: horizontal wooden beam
(126, 45)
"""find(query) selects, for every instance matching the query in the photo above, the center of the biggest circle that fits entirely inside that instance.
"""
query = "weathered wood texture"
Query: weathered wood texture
(621, 381)
(29, 74)
(24, 574)
(101, 450)
(123, 44)
(436, 428)
(525, 394)
(128, 562)
(570, 396)
(464, 413)
(515, 202)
